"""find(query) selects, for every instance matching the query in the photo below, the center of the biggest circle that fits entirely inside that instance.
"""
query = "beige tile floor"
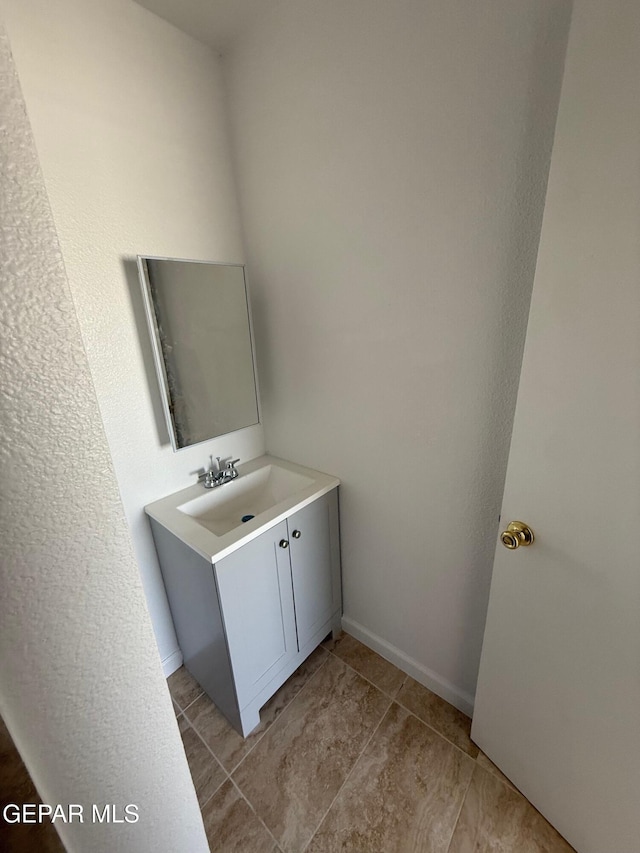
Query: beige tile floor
(351, 755)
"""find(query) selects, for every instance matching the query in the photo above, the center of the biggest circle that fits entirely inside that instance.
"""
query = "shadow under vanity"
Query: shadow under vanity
(250, 557)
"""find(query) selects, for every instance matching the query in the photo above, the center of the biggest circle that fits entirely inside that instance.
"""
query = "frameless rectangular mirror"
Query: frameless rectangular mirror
(198, 317)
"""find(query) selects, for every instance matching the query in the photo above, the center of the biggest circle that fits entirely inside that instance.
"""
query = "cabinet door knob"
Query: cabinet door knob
(296, 534)
(284, 543)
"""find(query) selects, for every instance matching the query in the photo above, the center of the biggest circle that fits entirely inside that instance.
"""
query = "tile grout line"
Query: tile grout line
(275, 722)
(242, 794)
(193, 701)
(178, 705)
(394, 697)
(506, 781)
(349, 666)
(408, 710)
(384, 692)
(235, 767)
(206, 746)
(435, 731)
(462, 802)
(392, 700)
(277, 719)
(202, 693)
(348, 776)
(395, 700)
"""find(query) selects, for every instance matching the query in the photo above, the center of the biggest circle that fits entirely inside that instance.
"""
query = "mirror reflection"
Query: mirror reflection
(198, 316)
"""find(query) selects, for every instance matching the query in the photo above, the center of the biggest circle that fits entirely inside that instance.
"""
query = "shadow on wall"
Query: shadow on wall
(130, 268)
(513, 302)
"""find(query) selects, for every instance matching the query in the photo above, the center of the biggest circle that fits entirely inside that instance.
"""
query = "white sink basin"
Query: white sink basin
(223, 508)
(267, 488)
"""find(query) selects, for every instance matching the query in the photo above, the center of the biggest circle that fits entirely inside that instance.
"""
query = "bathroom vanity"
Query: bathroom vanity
(252, 598)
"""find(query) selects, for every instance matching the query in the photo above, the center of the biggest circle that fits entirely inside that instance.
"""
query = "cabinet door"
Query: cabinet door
(310, 532)
(254, 585)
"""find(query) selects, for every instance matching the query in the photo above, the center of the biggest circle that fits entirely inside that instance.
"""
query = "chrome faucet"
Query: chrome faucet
(217, 475)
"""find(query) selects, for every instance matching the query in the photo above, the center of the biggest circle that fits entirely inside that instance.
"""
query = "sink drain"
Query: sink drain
(247, 517)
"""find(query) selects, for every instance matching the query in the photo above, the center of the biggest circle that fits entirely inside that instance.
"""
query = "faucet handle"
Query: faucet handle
(231, 472)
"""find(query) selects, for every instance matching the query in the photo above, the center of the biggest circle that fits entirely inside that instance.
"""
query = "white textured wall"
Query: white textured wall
(81, 687)
(127, 114)
(392, 160)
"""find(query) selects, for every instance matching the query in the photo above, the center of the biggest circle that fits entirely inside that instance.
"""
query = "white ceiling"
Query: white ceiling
(214, 22)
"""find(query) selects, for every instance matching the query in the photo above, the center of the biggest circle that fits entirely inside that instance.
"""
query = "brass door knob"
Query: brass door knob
(516, 534)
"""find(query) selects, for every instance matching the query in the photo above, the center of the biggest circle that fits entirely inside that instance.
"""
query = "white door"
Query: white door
(558, 700)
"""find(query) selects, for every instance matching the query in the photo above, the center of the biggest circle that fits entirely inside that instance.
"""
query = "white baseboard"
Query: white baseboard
(434, 682)
(173, 662)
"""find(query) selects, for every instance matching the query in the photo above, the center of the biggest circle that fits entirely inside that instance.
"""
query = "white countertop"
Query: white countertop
(212, 547)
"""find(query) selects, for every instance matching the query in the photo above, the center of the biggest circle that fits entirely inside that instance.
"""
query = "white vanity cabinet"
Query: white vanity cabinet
(247, 621)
